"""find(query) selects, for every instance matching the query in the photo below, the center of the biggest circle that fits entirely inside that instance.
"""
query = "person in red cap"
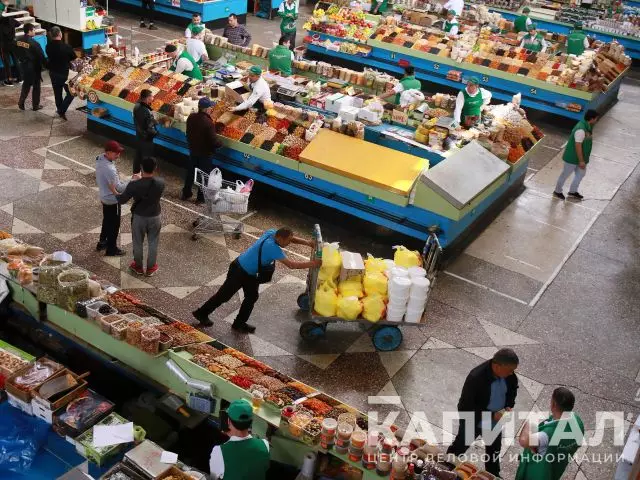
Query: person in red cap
(110, 185)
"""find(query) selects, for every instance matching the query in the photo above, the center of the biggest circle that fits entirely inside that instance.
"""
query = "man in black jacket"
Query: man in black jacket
(488, 393)
(60, 56)
(31, 60)
(146, 128)
(8, 25)
(203, 142)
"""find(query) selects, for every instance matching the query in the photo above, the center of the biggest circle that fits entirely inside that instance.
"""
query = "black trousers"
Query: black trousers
(147, 8)
(60, 87)
(8, 55)
(144, 148)
(236, 279)
(204, 163)
(29, 82)
(292, 39)
(110, 227)
(458, 447)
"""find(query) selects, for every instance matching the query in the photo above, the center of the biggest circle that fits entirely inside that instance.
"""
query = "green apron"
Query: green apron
(570, 155)
(383, 6)
(552, 465)
(575, 43)
(447, 26)
(472, 107)
(245, 459)
(408, 83)
(288, 24)
(195, 73)
(280, 59)
(533, 43)
(195, 29)
(520, 24)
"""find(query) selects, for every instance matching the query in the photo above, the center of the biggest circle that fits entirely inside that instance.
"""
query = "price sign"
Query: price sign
(485, 79)
(393, 56)
(175, 3)
(246, 156)
(533, 91)
(436, 66)
(308, 177)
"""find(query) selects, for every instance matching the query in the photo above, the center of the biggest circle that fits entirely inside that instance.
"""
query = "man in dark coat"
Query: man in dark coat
(146, 128)
(31, 60)
(488, 393)
(60, 56)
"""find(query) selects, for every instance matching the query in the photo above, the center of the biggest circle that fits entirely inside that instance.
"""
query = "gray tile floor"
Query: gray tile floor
(557, 281)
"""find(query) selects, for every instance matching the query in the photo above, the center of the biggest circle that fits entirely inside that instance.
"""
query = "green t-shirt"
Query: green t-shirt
(289, 16)
(280, 59)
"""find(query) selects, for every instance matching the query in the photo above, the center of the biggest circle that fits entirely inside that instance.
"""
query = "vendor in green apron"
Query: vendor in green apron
(469, 104)
(450, 25)
(547, 452)
(242, 457)
(533, 40)
(407, 82)
(521, 24)
(288, 12)
(183, 62)
(577, 41)
(378, 8)
(280, 57)
(195, 27)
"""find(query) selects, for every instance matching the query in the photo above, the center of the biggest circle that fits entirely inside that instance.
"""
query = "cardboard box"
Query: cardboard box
(52, 402)
(399, 116)
(20, 404)
(349, 114)
(26, 395)
(81, 413)
(332, 102)
(42, 412)
(352, 265)
(99, 455)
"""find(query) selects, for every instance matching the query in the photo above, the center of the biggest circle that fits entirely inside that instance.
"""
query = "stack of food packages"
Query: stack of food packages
(275, 388)
(341, 22)
(374, 290)
(20, 258)
(629, 27)
(482, 16)
(492, 52)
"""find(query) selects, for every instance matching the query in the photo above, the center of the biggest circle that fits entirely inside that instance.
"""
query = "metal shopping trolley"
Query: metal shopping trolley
(219, 201)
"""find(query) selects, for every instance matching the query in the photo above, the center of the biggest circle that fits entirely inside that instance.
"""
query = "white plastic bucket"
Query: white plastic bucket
(413, 316)
(416, 303)
(400, 285)
(398, 272)
(397, 304)
(394, 315)
(419, 287)
(417, 272)
(390, 264)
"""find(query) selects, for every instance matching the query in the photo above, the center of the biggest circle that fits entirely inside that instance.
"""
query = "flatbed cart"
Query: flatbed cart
(219, 201)
(386, 335)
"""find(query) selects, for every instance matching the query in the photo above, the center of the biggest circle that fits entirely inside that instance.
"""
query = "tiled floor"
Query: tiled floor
(558, 282)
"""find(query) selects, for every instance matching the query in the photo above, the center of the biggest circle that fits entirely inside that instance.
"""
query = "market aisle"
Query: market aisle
(582, 332)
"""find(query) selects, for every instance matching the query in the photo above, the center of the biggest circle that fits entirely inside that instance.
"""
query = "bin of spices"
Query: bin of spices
(399, 469)
(73, 287)
(108, 320)
(149, 340)
(355, 454)
(297, 422)
(358, 439)
(134, 333)
(165, 342)
(383, 466)
(311, 433)
(119, 329)
(48, 278)
(369, 457)
(349, 418)
(344, 435)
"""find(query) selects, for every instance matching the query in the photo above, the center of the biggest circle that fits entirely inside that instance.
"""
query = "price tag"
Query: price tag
(436, 66)
(246, 155)
(308, 177)
(533, 91)
(485, 79)
(370, 199)
(393, 56)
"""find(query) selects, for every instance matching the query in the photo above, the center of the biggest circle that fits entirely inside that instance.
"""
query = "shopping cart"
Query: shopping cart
(219, 201)
(385, 334)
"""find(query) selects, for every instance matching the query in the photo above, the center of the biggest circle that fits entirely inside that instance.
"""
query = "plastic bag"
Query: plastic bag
(351, 287)
(373, 264)
(349, 308)
(375, 283)
(21, 436)
(326, 300)
(215, 179)
(406, 258)
(410, 97)
(331, 262)
(373, 308)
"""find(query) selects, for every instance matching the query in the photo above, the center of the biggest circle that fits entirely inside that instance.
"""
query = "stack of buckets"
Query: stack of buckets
(328, 433)
(408, 292)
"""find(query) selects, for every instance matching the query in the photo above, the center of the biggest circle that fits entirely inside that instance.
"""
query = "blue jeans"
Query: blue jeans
(204, 163)
(568, 169)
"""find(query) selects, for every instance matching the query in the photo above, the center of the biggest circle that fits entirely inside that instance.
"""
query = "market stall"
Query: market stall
(213, 12)
(297, 419)
(561, 84)
(596, 25)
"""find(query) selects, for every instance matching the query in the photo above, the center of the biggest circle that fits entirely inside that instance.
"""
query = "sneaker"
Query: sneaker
(202, 318)
(576, 195)
(134, 267)
(559, 195)
(244, 328)
(152, 271)
(152, 27)
(101, 246)
(118, 252)
(8, 83)
(38, 107)
(142, 24)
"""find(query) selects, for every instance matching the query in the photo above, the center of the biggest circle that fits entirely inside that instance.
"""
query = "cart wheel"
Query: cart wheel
(387, 338)
(312, 330)
(303, 302)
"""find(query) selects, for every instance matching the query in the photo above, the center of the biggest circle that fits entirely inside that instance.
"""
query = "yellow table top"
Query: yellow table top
(364, 161)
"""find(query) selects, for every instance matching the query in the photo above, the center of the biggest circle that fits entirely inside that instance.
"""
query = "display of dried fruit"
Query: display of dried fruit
(229, 361)
(11, 363)
(318, 407)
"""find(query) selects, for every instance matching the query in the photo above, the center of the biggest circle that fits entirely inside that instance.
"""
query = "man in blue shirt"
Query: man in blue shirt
(489, 392)
(243, 274)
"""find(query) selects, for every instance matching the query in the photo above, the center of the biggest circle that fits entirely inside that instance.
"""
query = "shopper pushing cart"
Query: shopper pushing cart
(249, 270)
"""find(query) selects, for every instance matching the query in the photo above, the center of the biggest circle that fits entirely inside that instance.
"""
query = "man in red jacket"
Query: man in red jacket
(203, 142)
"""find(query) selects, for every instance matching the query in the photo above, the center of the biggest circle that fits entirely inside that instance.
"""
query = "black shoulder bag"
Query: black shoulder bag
(265, 273)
